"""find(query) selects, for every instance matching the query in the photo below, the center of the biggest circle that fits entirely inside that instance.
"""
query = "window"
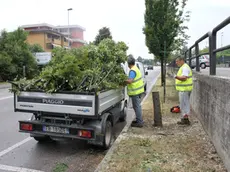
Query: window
(49, 36)
(64, 30)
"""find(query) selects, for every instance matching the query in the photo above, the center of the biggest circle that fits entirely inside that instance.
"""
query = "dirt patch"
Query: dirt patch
(87, 162)
(167, 149)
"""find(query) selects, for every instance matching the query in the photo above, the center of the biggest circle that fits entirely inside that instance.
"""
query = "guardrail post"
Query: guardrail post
(197, 57)
(212, 54)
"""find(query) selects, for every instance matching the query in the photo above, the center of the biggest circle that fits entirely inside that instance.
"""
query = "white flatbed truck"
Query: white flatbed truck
(86, 116)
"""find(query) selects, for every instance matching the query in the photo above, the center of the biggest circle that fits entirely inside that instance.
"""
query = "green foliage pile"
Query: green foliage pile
(86, 69)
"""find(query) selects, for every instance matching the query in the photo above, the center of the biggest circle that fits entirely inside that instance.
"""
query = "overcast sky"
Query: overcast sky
(125, 18)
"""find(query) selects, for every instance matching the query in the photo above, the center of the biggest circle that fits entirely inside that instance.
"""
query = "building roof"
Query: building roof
(52, 26)
(71, 26)
(38, 25)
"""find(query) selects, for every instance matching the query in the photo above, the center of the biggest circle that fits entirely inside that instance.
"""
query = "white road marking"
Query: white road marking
(3, 98)
(15, 146)
(17, 169)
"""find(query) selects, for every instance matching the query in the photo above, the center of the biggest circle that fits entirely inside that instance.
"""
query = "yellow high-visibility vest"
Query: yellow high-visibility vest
(186, 85)
(137, 86)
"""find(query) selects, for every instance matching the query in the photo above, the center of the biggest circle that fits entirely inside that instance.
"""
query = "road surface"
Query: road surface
(219, 71)
(19, 152)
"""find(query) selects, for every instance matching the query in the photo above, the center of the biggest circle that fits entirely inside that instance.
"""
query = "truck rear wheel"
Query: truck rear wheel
(108, 135)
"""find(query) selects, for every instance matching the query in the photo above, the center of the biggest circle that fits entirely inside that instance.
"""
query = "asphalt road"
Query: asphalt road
(19, 152)
(219, 71)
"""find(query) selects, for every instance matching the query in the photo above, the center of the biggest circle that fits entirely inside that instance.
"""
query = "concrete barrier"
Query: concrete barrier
(210, 100)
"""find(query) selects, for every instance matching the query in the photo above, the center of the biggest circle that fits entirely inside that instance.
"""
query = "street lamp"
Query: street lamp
(70, 9)
(222, 39)
(222, 46)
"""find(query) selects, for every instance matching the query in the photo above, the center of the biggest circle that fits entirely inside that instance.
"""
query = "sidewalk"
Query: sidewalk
(4, 85)
(172, 148)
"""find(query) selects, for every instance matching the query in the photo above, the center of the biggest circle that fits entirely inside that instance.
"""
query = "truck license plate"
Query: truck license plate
(56, 129)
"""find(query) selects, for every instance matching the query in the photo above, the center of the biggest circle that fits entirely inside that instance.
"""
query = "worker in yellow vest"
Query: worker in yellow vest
(184, 85)
(135, 89)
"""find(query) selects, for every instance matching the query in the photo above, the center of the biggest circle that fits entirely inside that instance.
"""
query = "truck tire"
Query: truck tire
(124, 113)
(43, 139)
(108, 135)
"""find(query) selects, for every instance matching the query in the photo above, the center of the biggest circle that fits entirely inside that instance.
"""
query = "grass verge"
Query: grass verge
(60, 167)
(171, 148)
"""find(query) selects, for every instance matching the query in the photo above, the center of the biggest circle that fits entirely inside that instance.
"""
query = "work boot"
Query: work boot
(138, 125)
(184, 121)
(134, 121)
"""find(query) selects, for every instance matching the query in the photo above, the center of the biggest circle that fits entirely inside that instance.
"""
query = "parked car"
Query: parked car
(203, 61)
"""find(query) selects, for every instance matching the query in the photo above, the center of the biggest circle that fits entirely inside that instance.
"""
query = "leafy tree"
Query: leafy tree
(148, 61)
(164, 29)
(204, 50)
(36, 48)
(139, 59)
(6, 67)
(103, 34)
(15, 54)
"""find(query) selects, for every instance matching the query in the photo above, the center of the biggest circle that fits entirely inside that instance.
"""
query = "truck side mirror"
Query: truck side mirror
(146, 73)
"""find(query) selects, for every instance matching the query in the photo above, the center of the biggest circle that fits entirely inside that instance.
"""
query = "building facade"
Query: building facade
(49, 36)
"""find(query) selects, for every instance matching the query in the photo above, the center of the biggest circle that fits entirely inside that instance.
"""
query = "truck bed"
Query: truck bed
(68, 103)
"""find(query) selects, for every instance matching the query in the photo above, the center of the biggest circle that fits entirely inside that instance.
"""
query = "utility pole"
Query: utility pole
(68, 27)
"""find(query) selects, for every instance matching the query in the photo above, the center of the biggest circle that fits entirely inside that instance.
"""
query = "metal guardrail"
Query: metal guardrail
(212, 47)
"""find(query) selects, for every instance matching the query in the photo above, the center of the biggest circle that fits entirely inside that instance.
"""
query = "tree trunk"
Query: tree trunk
(162, 72)
(164, 80)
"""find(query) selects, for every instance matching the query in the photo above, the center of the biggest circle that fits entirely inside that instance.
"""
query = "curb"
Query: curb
(121, 135)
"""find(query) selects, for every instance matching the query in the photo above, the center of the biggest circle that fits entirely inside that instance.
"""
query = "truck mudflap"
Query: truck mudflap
(61, 131)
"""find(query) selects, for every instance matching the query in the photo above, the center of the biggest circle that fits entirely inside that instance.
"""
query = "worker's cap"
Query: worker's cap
(131, 59)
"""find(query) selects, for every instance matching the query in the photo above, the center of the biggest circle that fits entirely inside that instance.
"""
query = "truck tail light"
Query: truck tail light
(27, 127)
(85, 133)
